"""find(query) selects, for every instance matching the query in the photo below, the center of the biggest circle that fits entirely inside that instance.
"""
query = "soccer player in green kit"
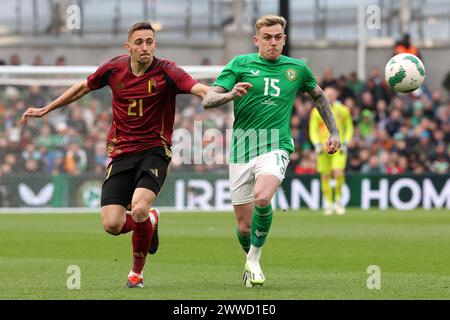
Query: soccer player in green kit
(263, 86)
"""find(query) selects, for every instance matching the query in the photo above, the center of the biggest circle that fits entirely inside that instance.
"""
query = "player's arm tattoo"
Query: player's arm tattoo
(322, 105)
(216, 97)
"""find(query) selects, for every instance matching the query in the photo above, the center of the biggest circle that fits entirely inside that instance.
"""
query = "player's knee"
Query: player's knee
(262, 199)
(262, 203)
(139, 213)
(244, 227)
(112, 227)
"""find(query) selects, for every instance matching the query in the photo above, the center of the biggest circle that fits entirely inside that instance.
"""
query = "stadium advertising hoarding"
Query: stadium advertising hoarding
(211, 192)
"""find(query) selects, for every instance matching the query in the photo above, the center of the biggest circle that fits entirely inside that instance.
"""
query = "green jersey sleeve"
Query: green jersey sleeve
(309, 82)
(228, 77)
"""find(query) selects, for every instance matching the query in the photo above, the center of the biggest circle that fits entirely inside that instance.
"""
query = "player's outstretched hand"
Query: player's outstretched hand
(32, 113)
(333, 144)
(240, 89)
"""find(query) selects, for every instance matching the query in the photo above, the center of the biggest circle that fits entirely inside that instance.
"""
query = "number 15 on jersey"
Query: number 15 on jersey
(274, 89)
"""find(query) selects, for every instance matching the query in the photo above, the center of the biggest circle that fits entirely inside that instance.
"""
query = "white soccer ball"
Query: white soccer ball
(404, 72)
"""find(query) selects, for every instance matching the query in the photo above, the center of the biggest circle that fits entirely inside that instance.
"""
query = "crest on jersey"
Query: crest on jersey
(291, 74)
(151, 86)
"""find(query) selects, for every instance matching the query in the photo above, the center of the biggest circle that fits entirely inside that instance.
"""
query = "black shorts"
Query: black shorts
(146, 169)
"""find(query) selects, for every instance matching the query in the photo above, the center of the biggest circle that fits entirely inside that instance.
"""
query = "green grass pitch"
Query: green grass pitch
(307, 256)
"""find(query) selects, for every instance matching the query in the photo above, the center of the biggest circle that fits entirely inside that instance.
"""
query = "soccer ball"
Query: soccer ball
(404, 72)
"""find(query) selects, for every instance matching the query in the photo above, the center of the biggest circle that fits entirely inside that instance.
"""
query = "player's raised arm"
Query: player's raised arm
(72, 94)
(218, 96)
(322, 105)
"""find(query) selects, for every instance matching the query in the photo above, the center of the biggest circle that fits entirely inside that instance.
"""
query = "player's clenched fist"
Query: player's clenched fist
(240, 89)
(333, 144)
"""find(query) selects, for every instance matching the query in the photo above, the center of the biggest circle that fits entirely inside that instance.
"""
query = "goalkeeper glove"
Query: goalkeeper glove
(318, 148)
(344, 148)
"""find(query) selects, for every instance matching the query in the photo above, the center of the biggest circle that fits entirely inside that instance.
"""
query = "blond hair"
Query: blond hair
(268, 21)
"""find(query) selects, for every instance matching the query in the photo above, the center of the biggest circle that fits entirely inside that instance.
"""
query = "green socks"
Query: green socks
(244, 240)
(261, 221)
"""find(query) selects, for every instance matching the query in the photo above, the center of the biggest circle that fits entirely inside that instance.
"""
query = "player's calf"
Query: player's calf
(154, 219)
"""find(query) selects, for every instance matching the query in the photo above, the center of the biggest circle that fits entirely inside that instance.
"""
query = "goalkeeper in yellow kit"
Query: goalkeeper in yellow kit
(331, 165)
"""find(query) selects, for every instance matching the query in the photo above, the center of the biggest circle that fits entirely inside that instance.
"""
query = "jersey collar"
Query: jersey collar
(268, 61)
(150, 67)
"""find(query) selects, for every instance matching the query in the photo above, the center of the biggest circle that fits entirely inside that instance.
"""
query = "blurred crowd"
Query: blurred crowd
(394, 134)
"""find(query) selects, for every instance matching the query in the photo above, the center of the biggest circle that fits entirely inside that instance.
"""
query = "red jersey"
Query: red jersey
(143, 107)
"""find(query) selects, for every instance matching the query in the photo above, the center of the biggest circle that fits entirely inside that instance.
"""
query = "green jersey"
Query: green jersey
(262, 116)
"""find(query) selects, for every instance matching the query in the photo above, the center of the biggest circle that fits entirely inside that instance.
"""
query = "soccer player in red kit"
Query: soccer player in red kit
(144, 89)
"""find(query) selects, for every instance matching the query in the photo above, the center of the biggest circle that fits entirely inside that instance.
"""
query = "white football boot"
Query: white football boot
(253, 275)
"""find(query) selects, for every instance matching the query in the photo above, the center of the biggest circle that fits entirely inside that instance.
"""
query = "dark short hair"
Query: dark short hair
(144, 25)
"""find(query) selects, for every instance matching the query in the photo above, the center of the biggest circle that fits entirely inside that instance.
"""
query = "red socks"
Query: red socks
(129, 224)
(142, 237)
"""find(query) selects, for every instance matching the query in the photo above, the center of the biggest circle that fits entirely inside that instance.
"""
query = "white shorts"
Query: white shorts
(243, 175)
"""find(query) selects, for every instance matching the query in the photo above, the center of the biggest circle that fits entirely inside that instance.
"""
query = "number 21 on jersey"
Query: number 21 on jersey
(274, 89)
(132, 107)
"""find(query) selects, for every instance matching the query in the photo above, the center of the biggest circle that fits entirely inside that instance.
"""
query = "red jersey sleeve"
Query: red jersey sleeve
(99, 78)
(182, 80)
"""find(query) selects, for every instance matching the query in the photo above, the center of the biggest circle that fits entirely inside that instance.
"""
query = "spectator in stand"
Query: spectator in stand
(14, 60)
(345, 91)
(367, 125)
(76, 120)
(75, 160)
(381, 114)
(382, 141)
(60, 61)
(417, 113)
(393, 166)
(425, 147)
(394, 122)
(328, 79)
(377, 86)
(31, 152)
(439, 159)
(37, 60)
(32, 166)
(306, 165)
(404, 45)
(373, 166)
(367, 101)
(35, 97)
(356, 161)
(10, 165)
(356, 85)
